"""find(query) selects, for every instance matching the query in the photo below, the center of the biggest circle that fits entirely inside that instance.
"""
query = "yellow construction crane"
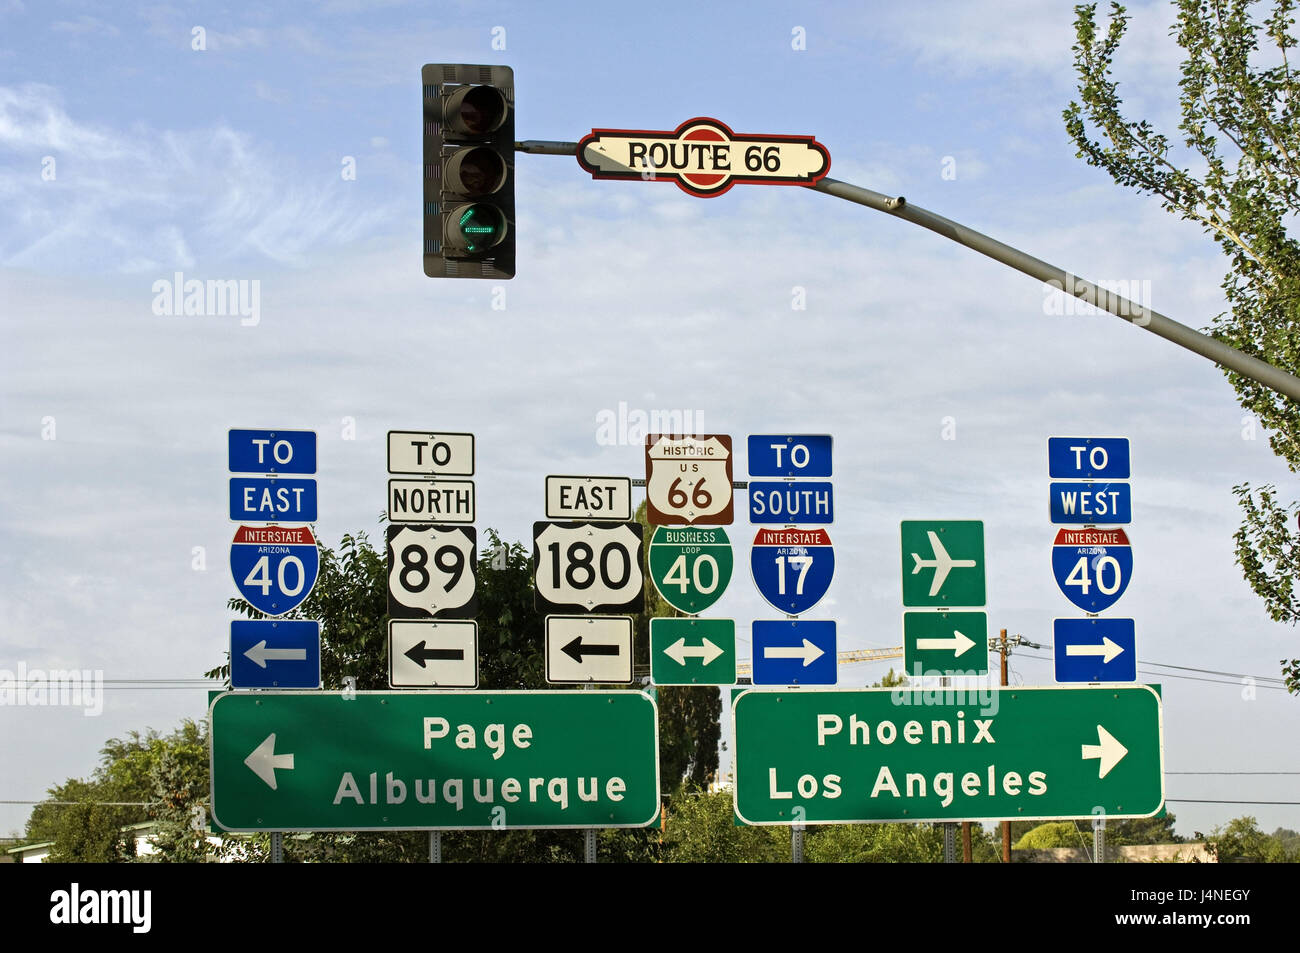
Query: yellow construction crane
(843, 658)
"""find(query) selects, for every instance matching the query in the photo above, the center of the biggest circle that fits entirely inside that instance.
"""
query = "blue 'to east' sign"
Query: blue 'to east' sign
(1092, 566)
(274, 567)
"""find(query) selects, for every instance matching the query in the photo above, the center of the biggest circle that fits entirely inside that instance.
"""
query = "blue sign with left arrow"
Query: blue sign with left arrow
(1095, 650)
(274, 653)
(794, 652)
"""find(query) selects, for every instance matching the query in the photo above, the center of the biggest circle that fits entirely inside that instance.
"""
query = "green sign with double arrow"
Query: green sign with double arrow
(943, 562)
(327, 761)
(827, 756)
(946, 643)
(693, 651)
(690, 565)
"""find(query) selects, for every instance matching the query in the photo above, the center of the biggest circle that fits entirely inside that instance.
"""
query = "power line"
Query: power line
(1190, 678)
(1185, 800)
(1232, 772)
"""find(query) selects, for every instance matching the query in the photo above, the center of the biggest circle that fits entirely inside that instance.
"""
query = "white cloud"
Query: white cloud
(125, 200)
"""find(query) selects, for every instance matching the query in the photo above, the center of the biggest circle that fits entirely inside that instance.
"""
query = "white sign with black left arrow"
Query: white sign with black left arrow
(432, 654)
(583, 650)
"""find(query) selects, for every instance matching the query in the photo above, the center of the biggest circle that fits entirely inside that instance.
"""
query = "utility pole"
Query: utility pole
(1003, 648)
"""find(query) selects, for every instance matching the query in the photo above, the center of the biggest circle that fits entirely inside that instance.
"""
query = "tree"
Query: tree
(1050, 835)
(142, 777)
(689, 726)
(1238, 180)
(1241, 840)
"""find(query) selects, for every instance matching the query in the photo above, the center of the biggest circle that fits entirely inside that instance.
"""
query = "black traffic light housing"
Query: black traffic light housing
(469, 171)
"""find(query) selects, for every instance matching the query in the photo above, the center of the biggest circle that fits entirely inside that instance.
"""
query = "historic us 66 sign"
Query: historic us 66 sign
(688, 480)
(703, 156)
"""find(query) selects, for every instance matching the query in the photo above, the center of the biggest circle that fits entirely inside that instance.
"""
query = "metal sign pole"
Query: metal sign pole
(950, 842)
(796, 844)
(277, 847)
(1143, 316)
(435, 847)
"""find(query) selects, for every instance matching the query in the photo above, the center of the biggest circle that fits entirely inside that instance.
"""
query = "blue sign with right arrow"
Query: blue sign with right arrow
(794, 652)
(1095, 650)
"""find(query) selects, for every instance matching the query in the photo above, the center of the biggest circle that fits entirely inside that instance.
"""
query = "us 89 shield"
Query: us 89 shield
(432, 572)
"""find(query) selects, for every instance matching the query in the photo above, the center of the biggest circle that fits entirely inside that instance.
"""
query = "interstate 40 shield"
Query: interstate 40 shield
(274, 567)
(1092, 566)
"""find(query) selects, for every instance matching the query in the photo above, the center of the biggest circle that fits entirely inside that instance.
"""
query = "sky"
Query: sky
(282, 148)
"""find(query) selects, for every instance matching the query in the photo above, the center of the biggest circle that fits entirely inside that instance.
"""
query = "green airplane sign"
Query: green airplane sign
(828, 756)
(322, 761)
(943, 562)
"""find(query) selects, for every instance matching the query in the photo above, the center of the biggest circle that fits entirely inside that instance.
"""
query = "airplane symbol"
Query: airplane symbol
(942, 563)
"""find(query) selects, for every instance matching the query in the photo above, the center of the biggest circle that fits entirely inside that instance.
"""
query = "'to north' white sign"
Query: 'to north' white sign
(433, 454)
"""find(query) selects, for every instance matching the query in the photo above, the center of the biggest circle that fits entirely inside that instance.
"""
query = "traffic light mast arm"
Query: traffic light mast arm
(1140, 315)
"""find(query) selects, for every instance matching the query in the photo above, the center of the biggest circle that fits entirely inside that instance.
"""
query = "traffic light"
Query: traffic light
(469, 171)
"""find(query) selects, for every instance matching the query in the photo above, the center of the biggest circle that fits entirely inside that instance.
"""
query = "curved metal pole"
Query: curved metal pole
(1222, 354)
(1155, 322)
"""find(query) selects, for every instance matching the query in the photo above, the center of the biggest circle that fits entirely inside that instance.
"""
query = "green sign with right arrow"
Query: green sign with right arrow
(945, 643)
(827, 756)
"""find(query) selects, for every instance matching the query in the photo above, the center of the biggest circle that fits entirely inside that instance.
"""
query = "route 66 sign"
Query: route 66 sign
(274, 567)
(588, 567)
(432, 571)
(688, 480)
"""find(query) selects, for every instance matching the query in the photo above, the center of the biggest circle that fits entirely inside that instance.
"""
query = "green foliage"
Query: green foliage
(169, 773)
(1237, 178)
(891, 679)
(689, 725)
(700, 829)
(1241, 841)
(875, 843)
(1052, 834)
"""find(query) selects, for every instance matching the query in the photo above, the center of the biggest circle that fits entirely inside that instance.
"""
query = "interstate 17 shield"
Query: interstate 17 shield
(1092, 566)
(792, 567)
(274, 567)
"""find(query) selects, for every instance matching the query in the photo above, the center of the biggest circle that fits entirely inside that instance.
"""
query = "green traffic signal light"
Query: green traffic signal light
(469, 189)
(476, 227)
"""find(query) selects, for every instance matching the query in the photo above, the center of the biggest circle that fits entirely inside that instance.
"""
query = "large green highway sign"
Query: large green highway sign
(830, 756)
(285, 761)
